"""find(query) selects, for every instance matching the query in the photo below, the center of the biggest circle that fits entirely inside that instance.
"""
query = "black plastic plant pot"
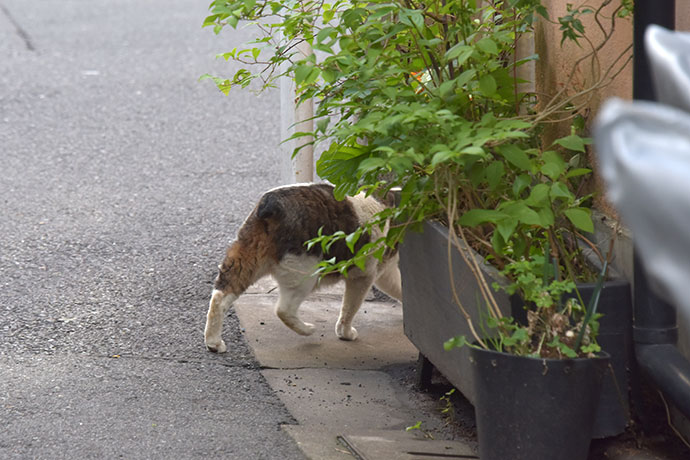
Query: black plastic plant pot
(531, 408)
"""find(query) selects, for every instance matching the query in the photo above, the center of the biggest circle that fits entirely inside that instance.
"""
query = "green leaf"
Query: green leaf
(228, 55)
(494, 173)
(487, 45)
(465, 77)
(546, 216)
(210, 20)
(460, 52)
(412, 18)
(560, 190)
(580, 218)
(498, 243)
(302, 72)
(473, 150)
(322, 124)
(553, 165)
(475, 217)
(325, 33)
(578, 172)
(418, 425)
(455, 342)
(223, 84)
(565, 349)
(446, 88)
(442, 157)
(487, 85)
(378, 254)
(516, 156)
(591, 348)
(328, 75)
(538, 195)
(506, 227)
(352, 239)
(572, 142)
(328, 15)
(521, 182)
(476, 174)
(520, 335)
(543, 12)
(371, 164)
(306, 74)
(522, 212)
(353, 17)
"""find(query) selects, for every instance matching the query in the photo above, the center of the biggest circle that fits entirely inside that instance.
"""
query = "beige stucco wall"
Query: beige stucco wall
(683, 23)
(559, 66)
(575, 66)
(683, 15)
(556, 62)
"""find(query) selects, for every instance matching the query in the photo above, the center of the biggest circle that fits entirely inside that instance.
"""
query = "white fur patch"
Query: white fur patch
(226, 300)
(365, 208)
(295, 270)
(218, 307)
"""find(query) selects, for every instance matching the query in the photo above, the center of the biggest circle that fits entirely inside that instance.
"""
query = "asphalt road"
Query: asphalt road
(122, 179)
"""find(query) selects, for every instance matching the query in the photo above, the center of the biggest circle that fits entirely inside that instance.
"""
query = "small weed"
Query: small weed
(448, 408)
(418, 426)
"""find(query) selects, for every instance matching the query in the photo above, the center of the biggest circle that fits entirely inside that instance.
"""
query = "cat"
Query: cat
(271, 241)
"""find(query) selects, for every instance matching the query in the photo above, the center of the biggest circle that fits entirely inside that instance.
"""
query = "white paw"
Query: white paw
(344, 333)
(216, 346)
(305, 329)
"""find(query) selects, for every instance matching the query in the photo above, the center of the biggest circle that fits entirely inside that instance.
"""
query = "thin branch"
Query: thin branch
(591, 245)
(452, 209)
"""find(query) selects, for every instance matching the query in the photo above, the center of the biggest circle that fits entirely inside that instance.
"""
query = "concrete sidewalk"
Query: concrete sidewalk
(345, 403)
(343, 395)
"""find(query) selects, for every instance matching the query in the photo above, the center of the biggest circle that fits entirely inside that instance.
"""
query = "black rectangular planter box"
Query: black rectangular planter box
(431, 317)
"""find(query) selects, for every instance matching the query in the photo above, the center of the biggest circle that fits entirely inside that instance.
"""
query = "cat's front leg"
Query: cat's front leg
(218, 306)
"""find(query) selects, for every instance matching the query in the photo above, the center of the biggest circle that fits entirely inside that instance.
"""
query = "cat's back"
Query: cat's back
(294, 214)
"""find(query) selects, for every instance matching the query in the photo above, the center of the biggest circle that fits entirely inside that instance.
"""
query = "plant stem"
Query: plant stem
(468, 318)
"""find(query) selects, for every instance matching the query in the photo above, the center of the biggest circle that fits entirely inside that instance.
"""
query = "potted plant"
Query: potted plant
(545, 372)
(429, 97)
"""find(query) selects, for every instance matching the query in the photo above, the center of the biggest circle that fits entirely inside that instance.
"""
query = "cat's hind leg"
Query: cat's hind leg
(289, 301)
(356, 289)
(242, 266)
(218, 307)
(296, 280)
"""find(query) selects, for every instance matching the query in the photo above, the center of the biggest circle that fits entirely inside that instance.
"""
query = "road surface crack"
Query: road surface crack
(18, 29)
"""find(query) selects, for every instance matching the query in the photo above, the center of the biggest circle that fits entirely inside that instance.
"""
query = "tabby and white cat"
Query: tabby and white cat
(271, 241)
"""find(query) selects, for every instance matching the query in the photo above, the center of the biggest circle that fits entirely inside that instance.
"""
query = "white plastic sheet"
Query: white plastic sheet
(644, 156)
